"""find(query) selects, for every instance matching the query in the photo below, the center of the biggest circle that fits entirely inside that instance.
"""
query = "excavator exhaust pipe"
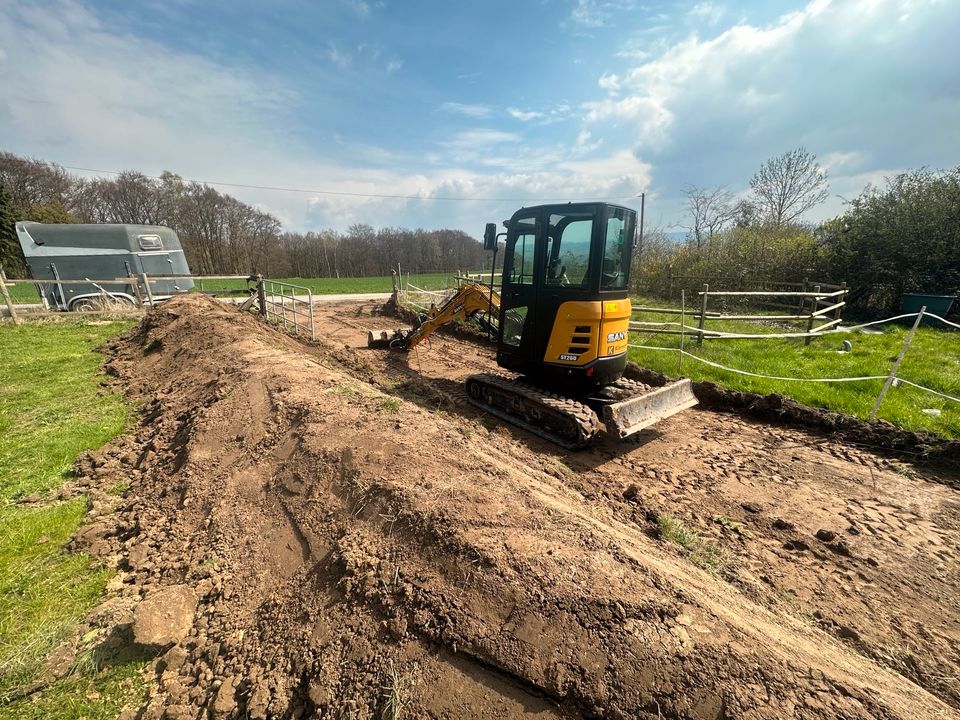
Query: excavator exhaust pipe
(633, 415)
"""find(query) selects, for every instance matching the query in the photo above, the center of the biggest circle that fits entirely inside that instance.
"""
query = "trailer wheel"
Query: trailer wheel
(86, 305)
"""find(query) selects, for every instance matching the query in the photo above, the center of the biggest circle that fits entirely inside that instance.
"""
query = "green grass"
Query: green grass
(705, 554)
(933, 360)
(23, 290)
(51, 409)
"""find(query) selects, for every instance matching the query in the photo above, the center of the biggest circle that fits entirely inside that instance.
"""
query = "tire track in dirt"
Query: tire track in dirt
(353, 556)
(884, 584)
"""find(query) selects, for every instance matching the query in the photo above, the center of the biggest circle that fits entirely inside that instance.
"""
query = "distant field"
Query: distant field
(23, 291)
(933, 360)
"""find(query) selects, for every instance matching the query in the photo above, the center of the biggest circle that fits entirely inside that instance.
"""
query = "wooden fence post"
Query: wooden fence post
(896, 365)
(703, 313)
(843, 299)
(135, 284)
(261, 297)
(393, 280)
(146, 284)
(683, 321)
(814, 305)
(7, 299)
(803, 299)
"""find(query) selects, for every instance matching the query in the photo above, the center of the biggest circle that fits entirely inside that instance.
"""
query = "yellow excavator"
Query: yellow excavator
(561, 320)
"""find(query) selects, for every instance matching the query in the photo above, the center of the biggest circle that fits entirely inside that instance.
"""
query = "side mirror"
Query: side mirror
(490, 237)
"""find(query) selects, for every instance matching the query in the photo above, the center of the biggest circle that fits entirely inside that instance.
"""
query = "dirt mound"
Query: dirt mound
(355, 555)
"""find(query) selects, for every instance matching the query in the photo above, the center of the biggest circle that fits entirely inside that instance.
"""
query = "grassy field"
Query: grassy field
(24, 292)
(933, 360)
(50, 411)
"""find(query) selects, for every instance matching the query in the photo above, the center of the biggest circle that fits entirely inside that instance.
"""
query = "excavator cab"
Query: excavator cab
(565, 310)
(562, 317)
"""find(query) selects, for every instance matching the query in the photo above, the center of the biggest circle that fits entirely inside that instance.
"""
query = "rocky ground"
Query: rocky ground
(328, 531)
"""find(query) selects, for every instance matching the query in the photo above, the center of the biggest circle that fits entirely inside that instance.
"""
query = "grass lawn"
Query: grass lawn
(933, 360)
(24, 292)
(50, 411)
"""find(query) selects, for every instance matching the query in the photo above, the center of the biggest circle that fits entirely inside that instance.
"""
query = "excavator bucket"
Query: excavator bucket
(634, 414)
(379, 338)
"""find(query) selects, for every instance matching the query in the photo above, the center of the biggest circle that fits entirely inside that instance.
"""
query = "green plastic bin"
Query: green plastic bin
(936, 304)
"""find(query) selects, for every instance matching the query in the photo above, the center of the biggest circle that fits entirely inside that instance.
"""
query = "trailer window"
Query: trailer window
(150, 242)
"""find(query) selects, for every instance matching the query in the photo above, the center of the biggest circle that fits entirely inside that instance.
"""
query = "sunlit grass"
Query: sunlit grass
(51, 408)
(933, 360)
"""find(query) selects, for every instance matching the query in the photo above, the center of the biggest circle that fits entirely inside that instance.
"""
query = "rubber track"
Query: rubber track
(586, 420)
(623, 389)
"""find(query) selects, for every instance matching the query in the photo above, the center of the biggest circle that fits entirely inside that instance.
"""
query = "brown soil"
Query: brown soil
(364, 544)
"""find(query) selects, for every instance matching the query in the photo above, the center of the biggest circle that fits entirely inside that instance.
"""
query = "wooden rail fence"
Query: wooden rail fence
(816, 305)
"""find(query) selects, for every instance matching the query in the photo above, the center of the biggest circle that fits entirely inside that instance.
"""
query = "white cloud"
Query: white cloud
(837, 160)
(394, 66)
(337, 57)
(609, 82)
(706, 12)
(757, 81)
(467, 109)
(598, 13)
(360, 7)
(524, 115)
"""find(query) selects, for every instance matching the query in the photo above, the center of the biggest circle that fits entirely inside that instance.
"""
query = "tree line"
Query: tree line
(897, 238)
(901, 237)
(219, 234)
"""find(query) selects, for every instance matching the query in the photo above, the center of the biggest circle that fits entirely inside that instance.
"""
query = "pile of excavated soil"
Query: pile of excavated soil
(299, 540)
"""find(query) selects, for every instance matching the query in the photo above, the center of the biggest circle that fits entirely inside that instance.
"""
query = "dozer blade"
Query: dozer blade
(379, 338)
(644, 410)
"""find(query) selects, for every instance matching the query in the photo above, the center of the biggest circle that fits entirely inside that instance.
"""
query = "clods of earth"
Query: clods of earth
(321, 530)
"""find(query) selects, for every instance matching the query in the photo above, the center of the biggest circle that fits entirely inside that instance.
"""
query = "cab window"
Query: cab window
(521, 265)
(568, 250)
(616, 250)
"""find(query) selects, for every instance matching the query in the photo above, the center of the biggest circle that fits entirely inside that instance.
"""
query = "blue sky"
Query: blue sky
(512, 101)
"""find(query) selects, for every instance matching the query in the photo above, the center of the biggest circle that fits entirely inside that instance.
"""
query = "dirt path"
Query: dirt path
(861, 546)
(363, 544)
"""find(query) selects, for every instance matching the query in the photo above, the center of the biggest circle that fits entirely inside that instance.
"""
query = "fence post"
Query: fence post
(896, 365)
(683, 321)
(6, 297)
(261, 297)
(843, 299)
(703, 313)
(803, 298)
(393, 280)
(146, 284)
(814, 304)
(135, 284)
(313, 334)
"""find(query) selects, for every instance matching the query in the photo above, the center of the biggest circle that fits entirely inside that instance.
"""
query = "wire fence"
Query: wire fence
(891, 378)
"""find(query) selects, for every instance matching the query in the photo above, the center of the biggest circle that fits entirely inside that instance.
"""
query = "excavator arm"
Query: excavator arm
(473, 300)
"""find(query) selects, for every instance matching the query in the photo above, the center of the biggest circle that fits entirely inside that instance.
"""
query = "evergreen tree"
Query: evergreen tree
(11, 256)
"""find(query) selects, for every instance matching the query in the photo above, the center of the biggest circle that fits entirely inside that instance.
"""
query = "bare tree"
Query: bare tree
(788, 185)
(709, 210)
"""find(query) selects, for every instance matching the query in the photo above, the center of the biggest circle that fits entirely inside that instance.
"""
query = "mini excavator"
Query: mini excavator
(560, 319)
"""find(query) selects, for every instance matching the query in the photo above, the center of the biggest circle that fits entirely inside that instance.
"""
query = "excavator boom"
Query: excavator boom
(472, 300)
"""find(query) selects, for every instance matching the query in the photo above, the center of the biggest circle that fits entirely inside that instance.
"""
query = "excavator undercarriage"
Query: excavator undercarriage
(569, 419)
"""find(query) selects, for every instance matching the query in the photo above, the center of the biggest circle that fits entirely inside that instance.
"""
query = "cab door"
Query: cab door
(518, 299)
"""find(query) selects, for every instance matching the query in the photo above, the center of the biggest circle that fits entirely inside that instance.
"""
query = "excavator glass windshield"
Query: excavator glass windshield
(568, 249)
(617, 248)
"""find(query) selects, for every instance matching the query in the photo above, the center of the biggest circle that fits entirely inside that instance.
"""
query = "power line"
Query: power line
(340, 192)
